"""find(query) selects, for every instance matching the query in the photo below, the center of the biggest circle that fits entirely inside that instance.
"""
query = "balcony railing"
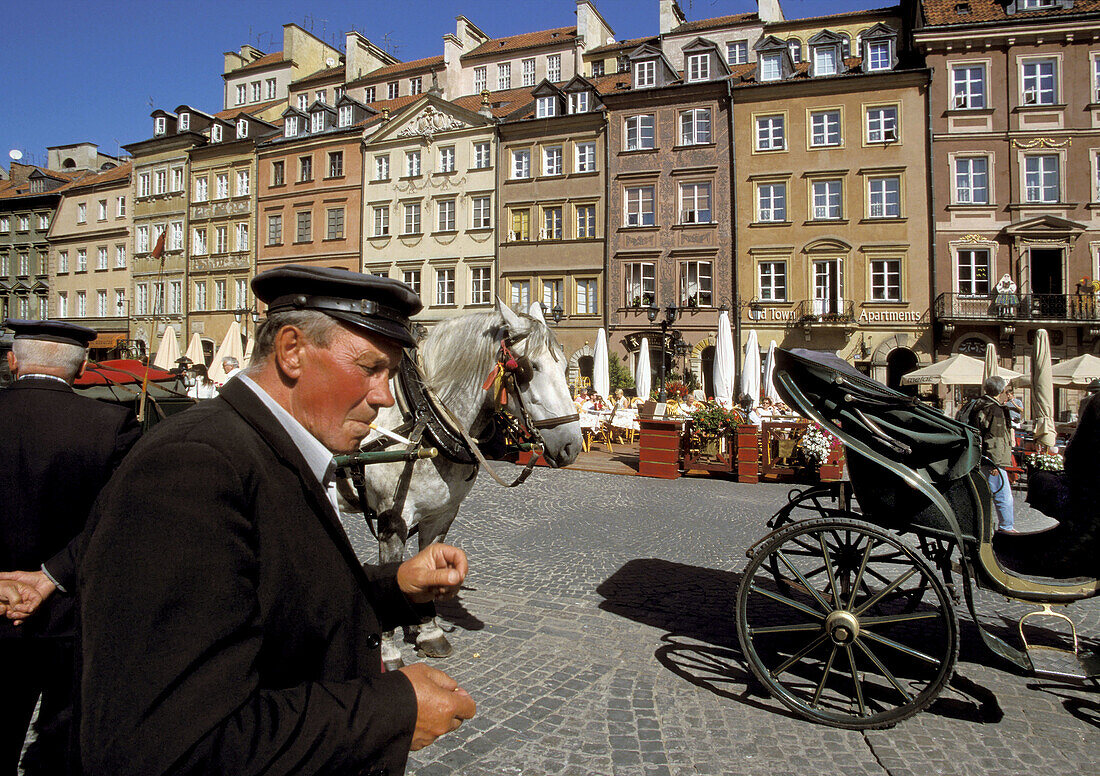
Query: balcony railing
(825, 313)
(1018, 307)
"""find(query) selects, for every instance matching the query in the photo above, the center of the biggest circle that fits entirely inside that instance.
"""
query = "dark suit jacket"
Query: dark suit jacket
(57, 450)
(228, 626)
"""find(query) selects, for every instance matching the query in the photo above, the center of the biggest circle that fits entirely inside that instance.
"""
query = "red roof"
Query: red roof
(527, 40)
(399, 69)
(120, 173)
(232, 113)
(120, 371)
(947, 12)
(320, 75)
(264, 61)
(718, 21)
(633, 43)
(23, 189)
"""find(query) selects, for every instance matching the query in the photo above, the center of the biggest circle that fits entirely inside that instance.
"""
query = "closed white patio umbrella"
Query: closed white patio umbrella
(769, 369)
(231, 346)
(723, 362)
(1042, 391)
(641, 373)
(990, 365)
(601, 378)
(750, 370)
(194, 350)
(169, 352)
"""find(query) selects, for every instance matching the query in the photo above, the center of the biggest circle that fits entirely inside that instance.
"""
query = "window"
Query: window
(175, 236)
(416, 85)
(769, 133)
(695, 203)
(412, 163)
(641, 282)
(447, 159)
(885, 194)
(519, 296)
(221, 186)
(445, 286)
(825, 128)
(737, 52)
(645, 73)
(175, 297)
(972, 180)
(143, 185)
(334, 223)
(546, 106)
(638, 203)
(696, 281)
(200, 190)
(1041, 178)
(698, 67)
(825, 60)
(81, 216)
(142, 299)
(521, 163)
(221, 239)
(771, 67)
(553, 68)
(62, 264)
(392, 90)
(695, 126)
(290, 128)
(242, 237)
(481, 285)
(412, 218)
(335, 164)
(481, 79)
(578, 102)
(216, 133)
(411, 278)
(5, 224)
(321, 95)
(552, 294)
(968, 86)
(274, 230)
(270, 87)
(305, 226)
(101, 257)
(198, 241)
(794, 45)
(242, 292)
(826, 198)
(585, 157)
(242, 96)
(160, 182)
(882, 125)
(886, 280)
(81, 262)
(243, 183)
(521, 224)
(551, 160)
(303, 101)
(640, 133)
(504, 76)
(344, 116)
(482, 212)
(773, 281)
(481, 156)
(102, 215)
(771, 202)
(160, 124)
(381, 221)
(220, 297)
(587, 297)
(278, 173)
(382, 167)
(527, 67)
(1096, 79)
(368, 94)
(200, 295)
(305, 168)
(24, 223)
(552, 223)
(120, 207)
(597, 67)
(5, 264)
(141, 239)
(879, 55)
(586, 221)
(177, 179)
(973, 272)
(81, 305)
(1039, 82)
(445, 221)
(255, 91)
(120, 257)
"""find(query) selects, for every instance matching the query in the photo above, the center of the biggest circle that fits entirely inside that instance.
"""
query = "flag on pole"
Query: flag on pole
(158, 250)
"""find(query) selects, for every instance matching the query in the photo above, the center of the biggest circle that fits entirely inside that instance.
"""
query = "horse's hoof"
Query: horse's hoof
(437, 647)
(393, 665)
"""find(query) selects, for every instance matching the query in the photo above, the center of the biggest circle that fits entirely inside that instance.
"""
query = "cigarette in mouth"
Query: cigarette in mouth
(392, 435)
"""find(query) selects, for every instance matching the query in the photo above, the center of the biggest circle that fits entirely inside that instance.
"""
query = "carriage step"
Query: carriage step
(1063, 663)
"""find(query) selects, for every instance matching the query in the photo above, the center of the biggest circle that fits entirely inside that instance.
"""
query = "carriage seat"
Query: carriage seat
(1059, 555)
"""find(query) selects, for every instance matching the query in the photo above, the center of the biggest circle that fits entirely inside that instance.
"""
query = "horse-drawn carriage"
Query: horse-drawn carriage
(849, 617)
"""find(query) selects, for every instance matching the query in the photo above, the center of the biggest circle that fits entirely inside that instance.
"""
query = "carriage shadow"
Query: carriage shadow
(695, 606)
(455, 613)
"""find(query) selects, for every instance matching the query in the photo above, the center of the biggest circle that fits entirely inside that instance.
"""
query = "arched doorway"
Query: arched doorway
(900, 361)
(584, 371)
(706, 367)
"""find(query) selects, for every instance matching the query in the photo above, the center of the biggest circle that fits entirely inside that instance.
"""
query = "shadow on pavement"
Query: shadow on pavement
(454, 612)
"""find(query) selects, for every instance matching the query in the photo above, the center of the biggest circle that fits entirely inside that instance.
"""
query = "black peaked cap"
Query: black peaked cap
(51, 331)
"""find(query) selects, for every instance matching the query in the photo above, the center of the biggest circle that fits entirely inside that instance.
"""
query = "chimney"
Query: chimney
(671, 16)
(769, 11)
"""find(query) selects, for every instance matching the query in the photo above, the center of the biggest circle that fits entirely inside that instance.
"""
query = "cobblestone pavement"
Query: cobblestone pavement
(597, 635)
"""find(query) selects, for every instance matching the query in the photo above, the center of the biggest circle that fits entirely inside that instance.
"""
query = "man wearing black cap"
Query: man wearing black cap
(229, 626)
(58, 449)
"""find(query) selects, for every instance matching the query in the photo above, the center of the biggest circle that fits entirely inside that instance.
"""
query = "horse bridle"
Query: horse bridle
(511, 370)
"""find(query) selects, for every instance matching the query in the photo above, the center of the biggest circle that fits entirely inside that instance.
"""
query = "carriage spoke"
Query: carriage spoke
(810, 588)
(885, 591)
(884, 671)
(859, 575)
(776, 672)
(887, 619)
(784, 600)
(795, 628)
(901, 647)
(824, 678)
(828, 569)
(856, 682)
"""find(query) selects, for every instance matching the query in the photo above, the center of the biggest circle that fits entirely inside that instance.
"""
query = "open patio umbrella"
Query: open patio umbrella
(169, 351)
(959, 369)
(194, 350)
(536, 312)
(641, 373)
(1076, 372)
(231, 346)
(601, 378)
(1042, 391)
(723, 362)
(990, 365)
(769, 368)
(750, 370)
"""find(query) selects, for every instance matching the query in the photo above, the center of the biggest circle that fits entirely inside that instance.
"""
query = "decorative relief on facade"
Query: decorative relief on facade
(1042, 142)
(974, 238)
(429, 123)
(210, 263)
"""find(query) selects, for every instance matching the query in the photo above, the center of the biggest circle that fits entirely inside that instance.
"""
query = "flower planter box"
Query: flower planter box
(748, 453)
(717, 454)
(833, 469)
(659, 448)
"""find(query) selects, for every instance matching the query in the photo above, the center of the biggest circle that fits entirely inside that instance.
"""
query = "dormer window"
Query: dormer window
(184, 122)
(645, 73)
(698, 67)
(345, 116)
(578, 102)
(216, 133)
(795, 47)
(160, 125)
(318, 121)
(242, 128)
(878, 47)
(547, 106)
(291, 127)
(879, 55)
(771, 67)
(825, 60)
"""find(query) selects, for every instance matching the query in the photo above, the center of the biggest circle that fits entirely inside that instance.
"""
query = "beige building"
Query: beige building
(253, 78)
(89, 262)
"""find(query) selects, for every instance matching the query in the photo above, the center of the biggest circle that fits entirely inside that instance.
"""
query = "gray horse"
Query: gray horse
(424, 496)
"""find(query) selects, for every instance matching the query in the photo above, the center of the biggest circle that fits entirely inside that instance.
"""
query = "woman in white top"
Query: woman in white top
(203, 387)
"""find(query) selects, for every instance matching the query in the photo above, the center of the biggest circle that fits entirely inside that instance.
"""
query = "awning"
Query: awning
(106, 340)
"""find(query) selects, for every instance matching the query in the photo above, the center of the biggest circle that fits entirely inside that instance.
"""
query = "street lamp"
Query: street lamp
(244, 313)
(556, 312)
(671, 312)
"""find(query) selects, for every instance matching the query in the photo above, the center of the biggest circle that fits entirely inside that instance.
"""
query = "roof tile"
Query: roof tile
(523, 41)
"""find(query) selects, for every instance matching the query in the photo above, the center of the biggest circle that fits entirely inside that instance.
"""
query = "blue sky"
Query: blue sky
(75, 70)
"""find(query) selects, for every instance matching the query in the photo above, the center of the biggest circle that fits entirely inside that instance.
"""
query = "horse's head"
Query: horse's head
(538, 365)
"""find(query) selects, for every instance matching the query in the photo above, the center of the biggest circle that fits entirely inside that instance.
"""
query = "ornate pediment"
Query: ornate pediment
(1045, 226)
(429, 122)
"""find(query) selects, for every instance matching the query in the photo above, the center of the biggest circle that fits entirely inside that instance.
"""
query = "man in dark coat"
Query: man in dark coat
(58, 450)
(228, 626)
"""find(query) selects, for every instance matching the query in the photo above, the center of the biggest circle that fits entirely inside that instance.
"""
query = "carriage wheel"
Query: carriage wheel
(846, 624)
